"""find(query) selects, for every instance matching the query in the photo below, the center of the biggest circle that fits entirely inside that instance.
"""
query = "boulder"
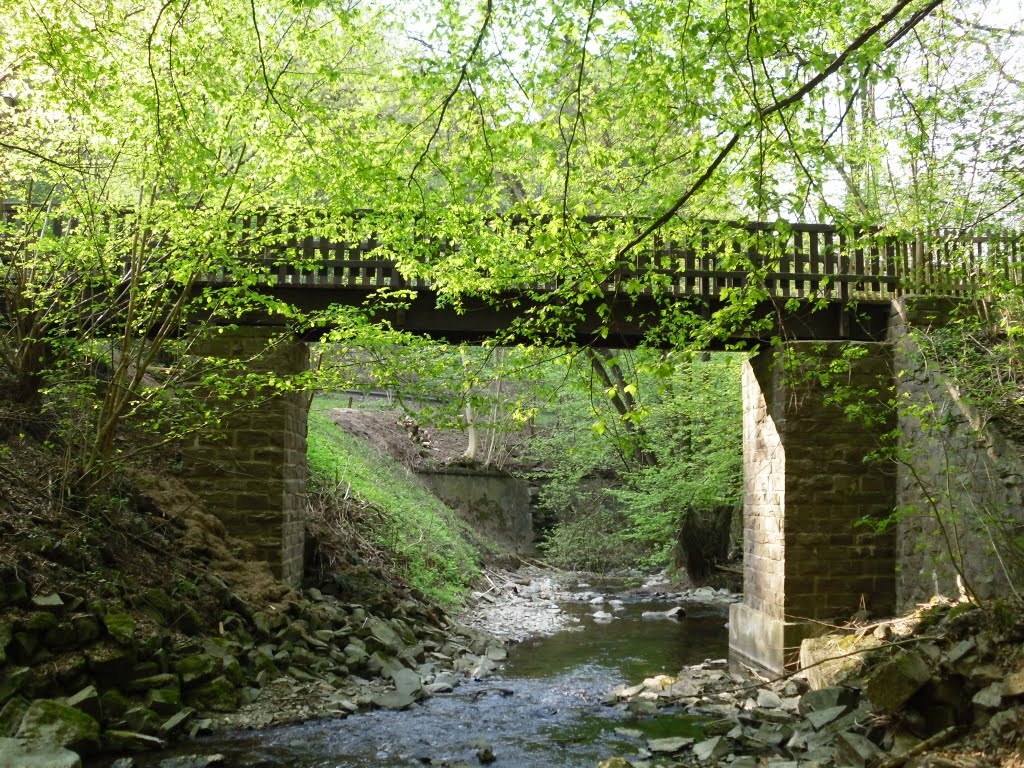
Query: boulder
(164, 701)
(13, 681)
(669, 745)
(891, 684)
(830, 660)
(141, 719)
(120, 626)
(53, 723)
(18, 753)
(11, 714)
(712, 748)
(51, 602)
(198, 668)
(86, 700)
(143, 684)
(113, 704)
(385, 634)
(218, 695)
(855, 750)
(826, 698)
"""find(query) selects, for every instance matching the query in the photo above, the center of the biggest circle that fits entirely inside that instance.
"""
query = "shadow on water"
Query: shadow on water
(542, 710)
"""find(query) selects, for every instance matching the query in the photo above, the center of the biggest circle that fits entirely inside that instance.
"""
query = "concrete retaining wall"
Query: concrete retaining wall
(960, 482)
(494, 503)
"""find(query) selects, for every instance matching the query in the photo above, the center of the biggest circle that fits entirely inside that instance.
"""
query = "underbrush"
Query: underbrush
(389, 519)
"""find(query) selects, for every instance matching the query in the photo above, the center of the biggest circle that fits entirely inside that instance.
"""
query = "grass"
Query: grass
(426, 537)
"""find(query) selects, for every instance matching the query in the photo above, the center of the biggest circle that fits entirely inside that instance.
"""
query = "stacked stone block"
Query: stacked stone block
(807, 486)
(252, 472)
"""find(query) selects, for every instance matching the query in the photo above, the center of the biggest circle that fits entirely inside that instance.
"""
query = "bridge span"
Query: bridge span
(820, 291)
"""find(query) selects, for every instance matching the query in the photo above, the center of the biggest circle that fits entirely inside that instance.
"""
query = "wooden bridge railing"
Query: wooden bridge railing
(790, 261)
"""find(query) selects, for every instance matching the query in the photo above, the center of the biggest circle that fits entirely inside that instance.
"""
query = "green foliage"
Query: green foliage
(697, 439)
(621, 488)
(424, 540)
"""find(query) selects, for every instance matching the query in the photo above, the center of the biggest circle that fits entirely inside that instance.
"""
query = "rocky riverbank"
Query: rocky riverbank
(164, 628)
(943, 688)
(79, 678)
(527, 602)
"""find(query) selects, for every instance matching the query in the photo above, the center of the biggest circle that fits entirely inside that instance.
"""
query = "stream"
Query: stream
(542, 709)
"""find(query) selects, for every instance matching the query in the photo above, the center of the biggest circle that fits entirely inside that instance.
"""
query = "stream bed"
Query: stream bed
(542, 709)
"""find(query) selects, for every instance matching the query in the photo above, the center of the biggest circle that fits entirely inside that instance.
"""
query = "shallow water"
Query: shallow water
(542, 710)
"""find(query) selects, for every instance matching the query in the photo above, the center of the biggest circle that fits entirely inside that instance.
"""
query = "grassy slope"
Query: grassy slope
(426, 535)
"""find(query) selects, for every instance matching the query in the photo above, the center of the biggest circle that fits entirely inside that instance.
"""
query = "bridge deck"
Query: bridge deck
(835, 267)
(805, 261)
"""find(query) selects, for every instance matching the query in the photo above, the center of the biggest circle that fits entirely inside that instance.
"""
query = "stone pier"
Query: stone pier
(252, 471)
(806, 486)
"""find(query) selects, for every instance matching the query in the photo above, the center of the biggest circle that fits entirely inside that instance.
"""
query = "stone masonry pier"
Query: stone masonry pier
(806, 486)
(251, 471)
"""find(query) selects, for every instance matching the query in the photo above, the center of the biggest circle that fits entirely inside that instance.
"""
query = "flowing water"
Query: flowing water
(543, 709)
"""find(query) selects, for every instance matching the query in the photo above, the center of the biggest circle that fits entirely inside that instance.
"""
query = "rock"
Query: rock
(11, 714)
(1013, 685)
(113, 704)
(497, 653)
(601, 616)
(672, 613)
(86, 700)
(407, 682)
(12, 681)
(129, 741)
(822, 717)
(615, 762)
(120, 626)
(383, 664)
(826, 698)
(989, 697)
(642, 708)
(856, 750)
(891, 684)
(142, 684)
(175, 721)
(51, 602)
(484, 751)
(386, 635)
(768, 699)
(393, 700)
(164, 701)
(193, 761)
(629, 733)
(159, 606)
(198, 668)
(218, 695)
(483, 668)
(6, 633)
(112, 666)
(711, 748)
(961, 650)
(18, 753)
(140, 719)
(1009, 721)
(52, 723)
(669, 745)
(828, 661)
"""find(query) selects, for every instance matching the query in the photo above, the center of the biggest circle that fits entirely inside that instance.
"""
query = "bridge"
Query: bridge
(824, 291)
(813, 281)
